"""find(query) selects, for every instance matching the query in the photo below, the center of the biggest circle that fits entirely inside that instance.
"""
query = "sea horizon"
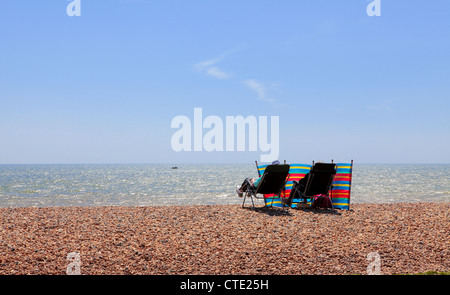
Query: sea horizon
(220, 163)
(23, 185)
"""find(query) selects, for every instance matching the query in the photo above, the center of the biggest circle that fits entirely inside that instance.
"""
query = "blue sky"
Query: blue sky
(104, 87)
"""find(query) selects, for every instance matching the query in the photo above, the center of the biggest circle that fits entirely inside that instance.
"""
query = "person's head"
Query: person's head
(276, 162)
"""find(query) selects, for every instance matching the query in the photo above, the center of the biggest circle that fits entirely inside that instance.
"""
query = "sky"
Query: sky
(105, 86)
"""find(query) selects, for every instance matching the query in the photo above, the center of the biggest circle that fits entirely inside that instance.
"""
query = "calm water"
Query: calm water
(196, 184)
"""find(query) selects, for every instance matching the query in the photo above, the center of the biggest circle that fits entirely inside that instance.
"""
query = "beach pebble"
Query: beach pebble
(225, 239)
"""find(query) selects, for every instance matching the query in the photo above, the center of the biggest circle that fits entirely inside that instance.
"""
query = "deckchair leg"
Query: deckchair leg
(251, 198)
(283, 204)
(329, 195)
(331, 202)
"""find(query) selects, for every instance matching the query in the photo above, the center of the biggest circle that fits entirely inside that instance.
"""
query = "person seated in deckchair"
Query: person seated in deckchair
(301, 184)
(250, 182)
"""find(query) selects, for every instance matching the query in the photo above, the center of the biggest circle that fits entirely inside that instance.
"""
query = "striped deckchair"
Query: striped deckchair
(342, 185)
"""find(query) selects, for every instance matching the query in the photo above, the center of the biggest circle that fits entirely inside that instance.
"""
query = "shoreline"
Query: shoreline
(258, 203)
(225, 239)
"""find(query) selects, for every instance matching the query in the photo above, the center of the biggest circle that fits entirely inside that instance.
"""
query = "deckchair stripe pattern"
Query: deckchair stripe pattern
(261, 169)
(296, 172)
(342, 186)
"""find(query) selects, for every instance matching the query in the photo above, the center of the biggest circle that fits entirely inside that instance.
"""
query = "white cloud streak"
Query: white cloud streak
(217, 73)
(383, 106)
(208, 67)
(259, 88)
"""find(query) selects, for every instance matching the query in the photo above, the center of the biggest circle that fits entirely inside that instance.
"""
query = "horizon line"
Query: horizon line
(224, 163)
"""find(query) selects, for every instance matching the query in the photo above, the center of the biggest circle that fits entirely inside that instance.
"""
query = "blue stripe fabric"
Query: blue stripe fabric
(342, 186)
(297, 172)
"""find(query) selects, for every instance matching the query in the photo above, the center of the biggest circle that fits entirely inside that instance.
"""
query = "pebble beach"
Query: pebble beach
(225, 239)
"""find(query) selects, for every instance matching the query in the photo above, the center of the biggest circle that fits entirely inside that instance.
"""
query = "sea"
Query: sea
(49, 185)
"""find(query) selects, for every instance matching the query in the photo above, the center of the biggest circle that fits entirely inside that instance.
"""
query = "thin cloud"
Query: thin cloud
(217, 73)
(207, 63)
(384, 106)
(259, 88)
(208, 67)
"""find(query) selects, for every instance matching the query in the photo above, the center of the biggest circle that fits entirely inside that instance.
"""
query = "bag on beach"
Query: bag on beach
(321, 201)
